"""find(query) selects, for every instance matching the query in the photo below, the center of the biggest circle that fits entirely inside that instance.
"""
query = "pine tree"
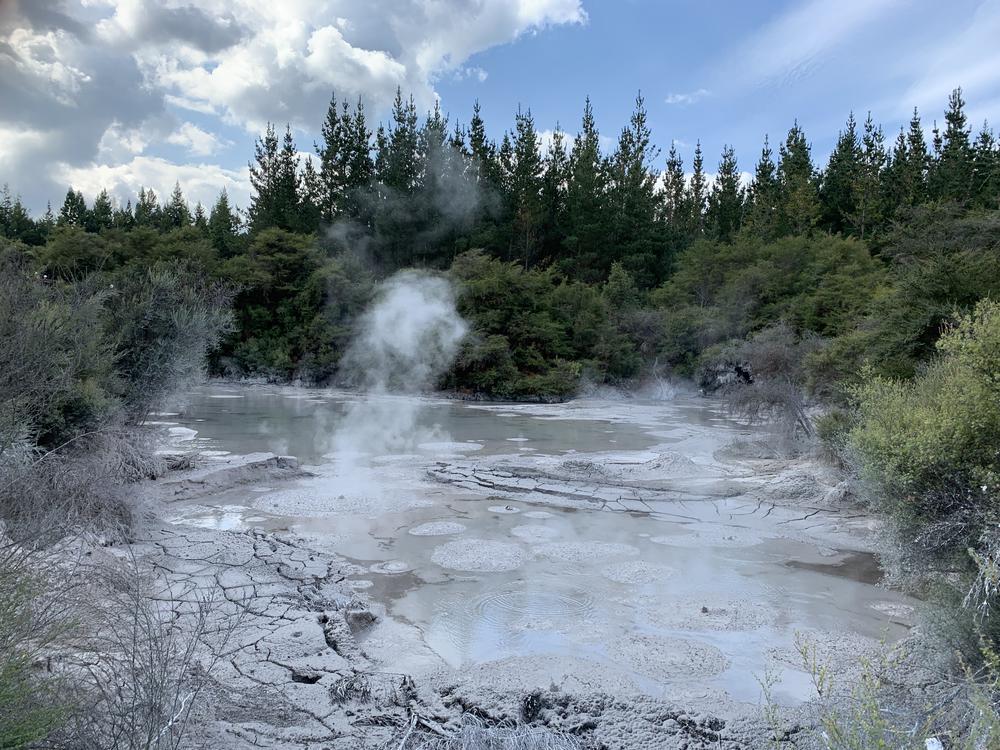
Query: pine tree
(124, 218)
(917, 161)
(176, 214)
(637, 241)
(726, 200)
(48, 221)
(555, 180)
(21, 225)
(799, 203)
(438, 189)
(869, 208)
(893, 182)
(586, 193)
(764, 196)
(457, 140)
(310, 195)
(6, 211)
(505, 169)
(287, 196)
(263, 211)
(101, 214)
(397, 167)
(696, 195)
(397, 148)
(274, 177)
(223, 226)
(674, 187)
(483, 151)
(525, 189)
(74, 210)
(905, 182)
(147, 209)
(15, 220)
(359, 170)
(986, 169)
(331, 163)
(837, 191)
(951, 176)
(200, 219)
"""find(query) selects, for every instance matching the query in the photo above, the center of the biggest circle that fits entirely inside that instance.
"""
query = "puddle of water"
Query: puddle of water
(856, 566)
(652, 595)
(250, 419)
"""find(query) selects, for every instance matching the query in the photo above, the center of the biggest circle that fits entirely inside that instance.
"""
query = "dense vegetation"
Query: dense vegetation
(571, 263)
(84, 362)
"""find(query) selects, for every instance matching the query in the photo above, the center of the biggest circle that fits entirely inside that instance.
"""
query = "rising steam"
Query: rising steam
(409, 337)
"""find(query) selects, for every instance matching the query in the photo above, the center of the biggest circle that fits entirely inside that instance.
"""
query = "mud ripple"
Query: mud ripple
(638, 572)
(479, 555)
(583, 552)
(534, 533)
(437, 528)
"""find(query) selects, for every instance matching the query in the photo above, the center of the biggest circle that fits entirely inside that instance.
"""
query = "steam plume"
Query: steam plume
(408, 338)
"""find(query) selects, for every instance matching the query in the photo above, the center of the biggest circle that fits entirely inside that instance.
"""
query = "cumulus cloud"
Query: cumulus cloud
(201, 182)
(141, 24)
(294, 53)
(197, 141)
(95, 87)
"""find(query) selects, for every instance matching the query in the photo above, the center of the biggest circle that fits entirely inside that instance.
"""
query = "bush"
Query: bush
(814, 284)
(533, 334)
(88, 359)
(55, 361)
(31, 620)
(763, 377)
(162, 322)
(928, 450)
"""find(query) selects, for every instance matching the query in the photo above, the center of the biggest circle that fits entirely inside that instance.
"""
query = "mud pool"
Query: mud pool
(649, 546)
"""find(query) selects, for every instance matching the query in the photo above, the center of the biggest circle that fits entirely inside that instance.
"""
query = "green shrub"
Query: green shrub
(533, 333)
(928, 449)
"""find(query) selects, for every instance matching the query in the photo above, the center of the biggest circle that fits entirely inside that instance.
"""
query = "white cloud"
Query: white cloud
(546, 137)
(199, 142)
(689, 98)
(473, 71)
(200, 182)
(102, 78)
(293, 53)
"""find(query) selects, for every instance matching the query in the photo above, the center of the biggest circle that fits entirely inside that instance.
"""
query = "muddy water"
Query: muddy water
(697, 590)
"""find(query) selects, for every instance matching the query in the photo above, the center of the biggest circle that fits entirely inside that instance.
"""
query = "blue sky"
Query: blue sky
(123, 93)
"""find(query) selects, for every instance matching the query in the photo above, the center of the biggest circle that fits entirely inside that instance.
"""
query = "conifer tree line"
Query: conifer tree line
(422, 190)
(610, 258)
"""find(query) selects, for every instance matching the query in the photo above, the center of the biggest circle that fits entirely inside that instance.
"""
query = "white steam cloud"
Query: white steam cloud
(409, 338)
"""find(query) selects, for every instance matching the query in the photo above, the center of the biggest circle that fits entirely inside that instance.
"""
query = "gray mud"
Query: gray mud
(623, 571)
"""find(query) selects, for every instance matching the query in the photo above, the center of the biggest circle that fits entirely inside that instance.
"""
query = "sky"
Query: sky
(120, 94)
